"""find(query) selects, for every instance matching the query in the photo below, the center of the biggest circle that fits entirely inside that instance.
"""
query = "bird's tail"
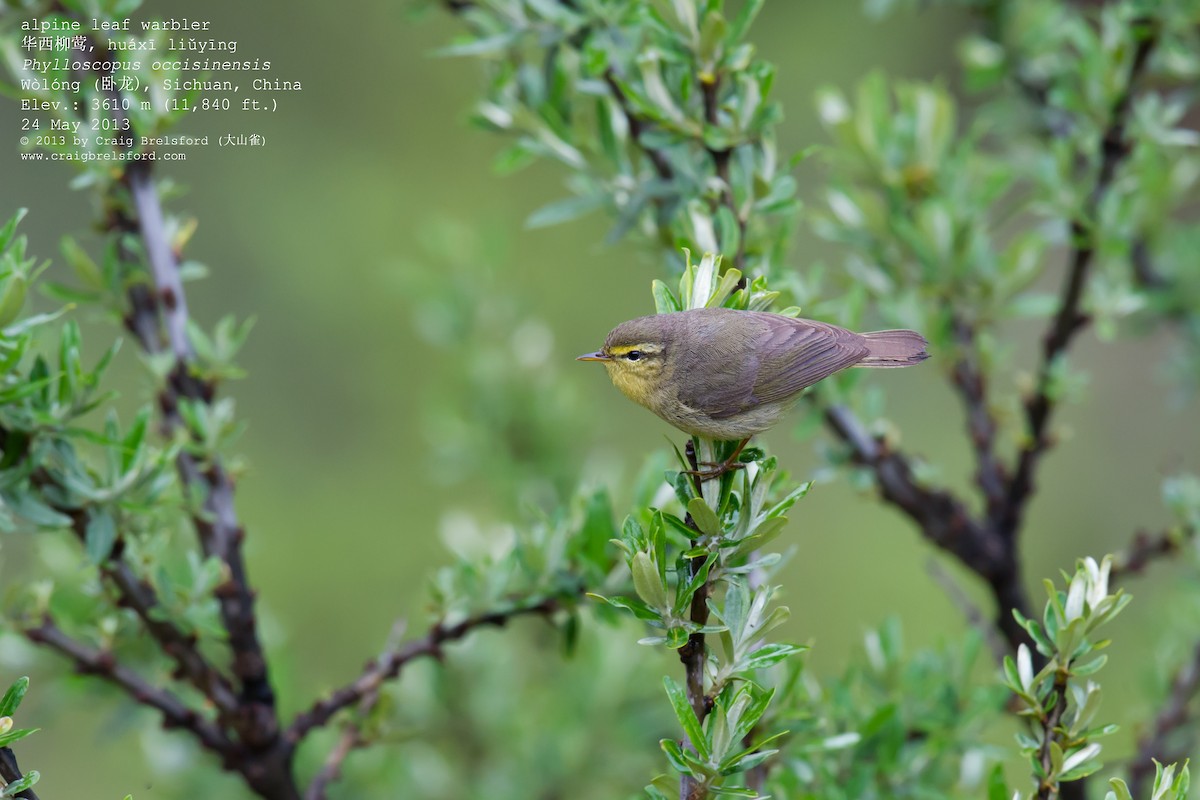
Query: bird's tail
(894, 349)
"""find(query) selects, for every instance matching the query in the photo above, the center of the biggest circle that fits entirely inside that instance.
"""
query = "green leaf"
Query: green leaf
(997, 788)
(485, 46)
(665, 301)
(704, 517)
(14, 696)
(744, 19)
(770, 655)
(7, 739)
(16, 787)
(10, 228)
(646, 581)
(675, 756)
(28, 507)
(100, 536)
(565, 210)
(687, 717)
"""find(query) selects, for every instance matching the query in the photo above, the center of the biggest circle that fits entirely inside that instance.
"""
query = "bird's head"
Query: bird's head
(636, 356)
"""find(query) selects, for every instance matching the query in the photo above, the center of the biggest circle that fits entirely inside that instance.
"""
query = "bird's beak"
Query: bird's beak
(599, 355)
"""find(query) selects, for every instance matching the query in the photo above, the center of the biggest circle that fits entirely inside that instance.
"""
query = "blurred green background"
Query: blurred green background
(323, 237)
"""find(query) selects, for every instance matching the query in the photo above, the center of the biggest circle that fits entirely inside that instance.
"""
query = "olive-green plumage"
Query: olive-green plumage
(725, 374)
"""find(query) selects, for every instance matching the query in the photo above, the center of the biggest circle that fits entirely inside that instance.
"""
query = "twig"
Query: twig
(388, 666)
(90, 661)
(971, 383)
(1047, 789)
(351, 738)
(637, 124)
(135, 593)
(331, 770)
(969, 609)
(11, 773)
(1147, 548)
(711, 90)
(1173, 716)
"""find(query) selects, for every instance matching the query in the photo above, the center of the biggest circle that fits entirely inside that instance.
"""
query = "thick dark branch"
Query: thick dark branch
(1155, 743)
(90, 661)
(1070, 318)
(943, 519)
(11, 773)
(388, 666)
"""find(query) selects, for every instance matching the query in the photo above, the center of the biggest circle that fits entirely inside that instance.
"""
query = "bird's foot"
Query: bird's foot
(715, 469)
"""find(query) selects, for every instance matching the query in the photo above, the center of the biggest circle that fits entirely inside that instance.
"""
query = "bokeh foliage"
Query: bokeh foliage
(946, 220)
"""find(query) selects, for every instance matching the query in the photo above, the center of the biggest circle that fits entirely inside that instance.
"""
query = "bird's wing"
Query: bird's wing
(788, 356)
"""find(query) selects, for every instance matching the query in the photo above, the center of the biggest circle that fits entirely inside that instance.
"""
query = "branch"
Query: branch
(942, 518)
(217, 525)
(1173, 716)
(1047, 789)
(637, 124)
(11, 773)
(971, 383)
(90, 661)
(1147, 548)
(1070, 320)
(712, 91)
(972, 612)
(135, 593)
(331, 770)
(387, 666)
(352, 737)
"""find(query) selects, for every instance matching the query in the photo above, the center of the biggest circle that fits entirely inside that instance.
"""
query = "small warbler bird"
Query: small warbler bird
(725, 374)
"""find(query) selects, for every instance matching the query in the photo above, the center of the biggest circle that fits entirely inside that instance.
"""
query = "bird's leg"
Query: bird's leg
(719, 468)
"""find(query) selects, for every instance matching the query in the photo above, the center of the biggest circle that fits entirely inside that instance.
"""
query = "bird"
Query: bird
(727, 374)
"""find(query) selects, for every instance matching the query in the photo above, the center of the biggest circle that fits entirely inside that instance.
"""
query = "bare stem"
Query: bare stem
(387, 666)
(91, 661)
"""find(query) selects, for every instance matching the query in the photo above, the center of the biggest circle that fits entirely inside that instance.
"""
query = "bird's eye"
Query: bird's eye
(635, 355)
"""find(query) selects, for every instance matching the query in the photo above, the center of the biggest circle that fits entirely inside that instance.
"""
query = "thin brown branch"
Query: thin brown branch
(1070, 319)
(387, 666)
(331, 770)
(971, 384)
(1146, 548)
(1049, 789)
(217, 525)
(102, 664)
(352, 736)
(711, 91)
(997, 645)
(135, 593)
(637, 125)
(1156, 743)
(10, 772)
